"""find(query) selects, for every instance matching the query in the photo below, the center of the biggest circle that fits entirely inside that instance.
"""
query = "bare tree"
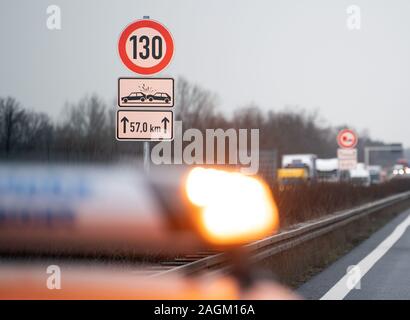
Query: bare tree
(12, 118)
(37, 135)
(87, 131)
(83, 131)
(196, 107)
(289, 131)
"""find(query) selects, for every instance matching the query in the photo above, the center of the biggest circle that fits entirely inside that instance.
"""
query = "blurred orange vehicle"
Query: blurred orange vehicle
(131, 212)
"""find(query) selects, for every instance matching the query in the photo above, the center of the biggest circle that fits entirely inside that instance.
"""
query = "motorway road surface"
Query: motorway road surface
(382, 268)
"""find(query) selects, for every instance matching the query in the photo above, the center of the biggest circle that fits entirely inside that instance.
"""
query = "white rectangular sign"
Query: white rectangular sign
(145, 125)
(145, 92)
(347, 159)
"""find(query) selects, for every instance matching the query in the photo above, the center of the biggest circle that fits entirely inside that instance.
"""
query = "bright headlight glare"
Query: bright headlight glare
(234, 208)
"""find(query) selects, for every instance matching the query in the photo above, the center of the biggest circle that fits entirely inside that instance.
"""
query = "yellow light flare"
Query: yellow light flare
(234, 208)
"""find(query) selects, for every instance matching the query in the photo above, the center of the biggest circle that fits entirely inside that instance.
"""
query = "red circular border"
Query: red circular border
(339, 139)
(146, 24)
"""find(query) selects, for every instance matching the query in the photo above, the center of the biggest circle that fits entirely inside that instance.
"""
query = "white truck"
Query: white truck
(327, 170)
(301, 162)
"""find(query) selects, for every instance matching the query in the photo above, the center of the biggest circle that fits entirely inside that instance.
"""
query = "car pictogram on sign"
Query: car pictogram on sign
(145, 92)
(134, 96)
(159, 96)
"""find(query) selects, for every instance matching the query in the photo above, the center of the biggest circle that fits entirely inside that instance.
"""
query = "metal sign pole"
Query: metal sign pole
(146, 143)
(146, 156)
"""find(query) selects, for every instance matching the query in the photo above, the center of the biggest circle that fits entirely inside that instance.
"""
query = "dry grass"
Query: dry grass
(302, 203)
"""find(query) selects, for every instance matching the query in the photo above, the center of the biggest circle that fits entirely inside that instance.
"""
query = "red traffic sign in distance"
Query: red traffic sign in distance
(347, 139)
(146, 47)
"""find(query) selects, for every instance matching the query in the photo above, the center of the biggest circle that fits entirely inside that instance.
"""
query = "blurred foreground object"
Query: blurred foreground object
(23, 282)
(112, 209)
(233, 208)
(84, 209)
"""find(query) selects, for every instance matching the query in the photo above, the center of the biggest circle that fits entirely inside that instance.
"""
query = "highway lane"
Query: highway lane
(382, 268)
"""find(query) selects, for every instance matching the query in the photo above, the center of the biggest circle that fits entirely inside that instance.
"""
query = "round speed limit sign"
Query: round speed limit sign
(347, 139)
(146, 47)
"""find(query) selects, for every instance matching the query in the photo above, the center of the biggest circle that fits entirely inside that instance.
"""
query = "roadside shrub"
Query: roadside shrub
(302, 203)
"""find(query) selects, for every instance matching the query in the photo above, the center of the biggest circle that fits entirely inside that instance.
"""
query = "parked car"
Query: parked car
(134, 96)
(159, 96)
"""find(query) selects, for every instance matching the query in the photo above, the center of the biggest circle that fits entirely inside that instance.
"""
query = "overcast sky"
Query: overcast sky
(271, 53)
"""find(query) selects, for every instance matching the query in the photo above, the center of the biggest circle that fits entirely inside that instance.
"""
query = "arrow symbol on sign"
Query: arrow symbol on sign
(124, 120)
(165, 122)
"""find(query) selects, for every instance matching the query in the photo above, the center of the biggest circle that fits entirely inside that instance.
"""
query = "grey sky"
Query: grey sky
(271, 53)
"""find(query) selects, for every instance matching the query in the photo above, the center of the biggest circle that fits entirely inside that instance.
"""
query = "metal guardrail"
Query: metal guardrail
(288, 239)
